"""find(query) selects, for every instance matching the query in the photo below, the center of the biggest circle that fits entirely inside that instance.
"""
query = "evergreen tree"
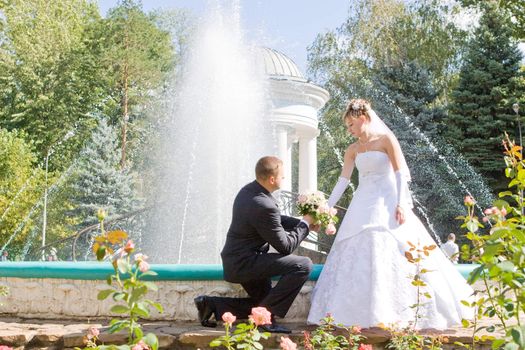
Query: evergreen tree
(99, 182)
(489, 83)
(411, 87)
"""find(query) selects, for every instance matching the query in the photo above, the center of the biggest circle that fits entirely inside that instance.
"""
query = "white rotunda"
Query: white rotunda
(295, 106)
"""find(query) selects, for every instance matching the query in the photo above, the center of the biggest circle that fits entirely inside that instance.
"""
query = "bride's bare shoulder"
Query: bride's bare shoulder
(351, 151)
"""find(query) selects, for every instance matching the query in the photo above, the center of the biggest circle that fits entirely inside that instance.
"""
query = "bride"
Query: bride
(367, 280)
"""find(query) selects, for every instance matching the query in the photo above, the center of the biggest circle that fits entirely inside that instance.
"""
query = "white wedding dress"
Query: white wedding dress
(366, 278)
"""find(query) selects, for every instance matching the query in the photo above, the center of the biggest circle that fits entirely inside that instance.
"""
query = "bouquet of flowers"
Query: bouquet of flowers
(316, 205)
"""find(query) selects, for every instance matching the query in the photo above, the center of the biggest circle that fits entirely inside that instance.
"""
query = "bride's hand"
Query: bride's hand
(400, 215)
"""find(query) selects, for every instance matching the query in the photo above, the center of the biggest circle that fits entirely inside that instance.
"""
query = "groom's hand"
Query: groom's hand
(315, 228)
(309, 219)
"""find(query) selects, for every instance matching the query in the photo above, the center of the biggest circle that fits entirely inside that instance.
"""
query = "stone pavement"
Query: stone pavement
(62, 334)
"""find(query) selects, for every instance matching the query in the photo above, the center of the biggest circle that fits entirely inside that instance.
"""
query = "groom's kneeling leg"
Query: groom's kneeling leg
(294, 271)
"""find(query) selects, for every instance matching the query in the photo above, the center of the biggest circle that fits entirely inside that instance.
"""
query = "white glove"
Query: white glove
(401, 187)
(338, 190)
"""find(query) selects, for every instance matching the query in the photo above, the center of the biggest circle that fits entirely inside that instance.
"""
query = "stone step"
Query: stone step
(56, 335)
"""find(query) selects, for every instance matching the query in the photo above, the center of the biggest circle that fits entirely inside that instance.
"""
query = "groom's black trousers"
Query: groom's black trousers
(294, 271)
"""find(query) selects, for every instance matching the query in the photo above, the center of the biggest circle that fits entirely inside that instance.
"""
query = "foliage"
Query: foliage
(4, 291)
(490, 81)
(501, 254)
(409, 339)
(246, 335)
(98, 182)
(128, 286)
(136, 55)
(415, 255)
(515, 9)
(324, 337)
(49, 79)
(21, 186)
(388, 33)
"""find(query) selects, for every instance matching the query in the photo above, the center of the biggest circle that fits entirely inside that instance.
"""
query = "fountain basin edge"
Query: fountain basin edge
(68, 290)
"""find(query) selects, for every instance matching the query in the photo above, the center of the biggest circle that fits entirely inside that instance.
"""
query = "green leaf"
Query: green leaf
(151, 286)
(119, 309)
(103, 294)
(496, 344)
(157, 306)
(472, 226)
(507, 266)
(141, 310)
(511, 346)
(123, 347)
(518, 335)
(148, 273)
(475, 274)
(137, 293)
(138, 333)
(119, 296)
(101, 253)
(118, 326)
(151, 340)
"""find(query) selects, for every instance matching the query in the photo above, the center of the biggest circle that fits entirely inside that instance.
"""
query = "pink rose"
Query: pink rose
(485, 219)
(333, 211)
(228, 318)
(129, 246)
(91, 333)
(143, 266)
(488, 211)
(355, 329)
(287, 344)
(323, 209)
(330, 229)
(503, 211)
(260, 316)
(140, 346)
(365, 347)
(469, 200)
(302, 199)
(5, 347)
(495, 210)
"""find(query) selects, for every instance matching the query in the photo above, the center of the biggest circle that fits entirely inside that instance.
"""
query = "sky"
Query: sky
(288, 26)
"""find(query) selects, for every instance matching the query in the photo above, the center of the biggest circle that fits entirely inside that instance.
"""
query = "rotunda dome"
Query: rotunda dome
(278, 65)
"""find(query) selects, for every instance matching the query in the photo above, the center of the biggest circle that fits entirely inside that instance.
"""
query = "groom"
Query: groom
(257, 224)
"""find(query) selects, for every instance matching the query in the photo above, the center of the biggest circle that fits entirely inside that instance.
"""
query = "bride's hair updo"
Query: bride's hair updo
(357, 107)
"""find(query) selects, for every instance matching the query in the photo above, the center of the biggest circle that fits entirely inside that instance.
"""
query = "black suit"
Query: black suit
(256, 224)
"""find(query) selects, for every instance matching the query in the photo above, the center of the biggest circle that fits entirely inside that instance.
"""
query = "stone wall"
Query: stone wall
(53, 298)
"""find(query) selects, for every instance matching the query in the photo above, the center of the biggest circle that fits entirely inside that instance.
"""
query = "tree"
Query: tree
(490, 81)
(514, 8)
(137, 56)
(21, 187)
(49, 80)
(412, 89)
(98, 183)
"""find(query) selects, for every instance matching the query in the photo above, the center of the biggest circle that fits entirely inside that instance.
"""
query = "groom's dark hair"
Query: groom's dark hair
(267, 166)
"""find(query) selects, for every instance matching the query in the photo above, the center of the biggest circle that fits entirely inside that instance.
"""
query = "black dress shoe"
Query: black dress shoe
(275, 328)
(205, 311)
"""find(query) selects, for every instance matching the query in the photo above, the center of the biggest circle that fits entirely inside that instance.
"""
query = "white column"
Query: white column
(285, 153)
(307, 164)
